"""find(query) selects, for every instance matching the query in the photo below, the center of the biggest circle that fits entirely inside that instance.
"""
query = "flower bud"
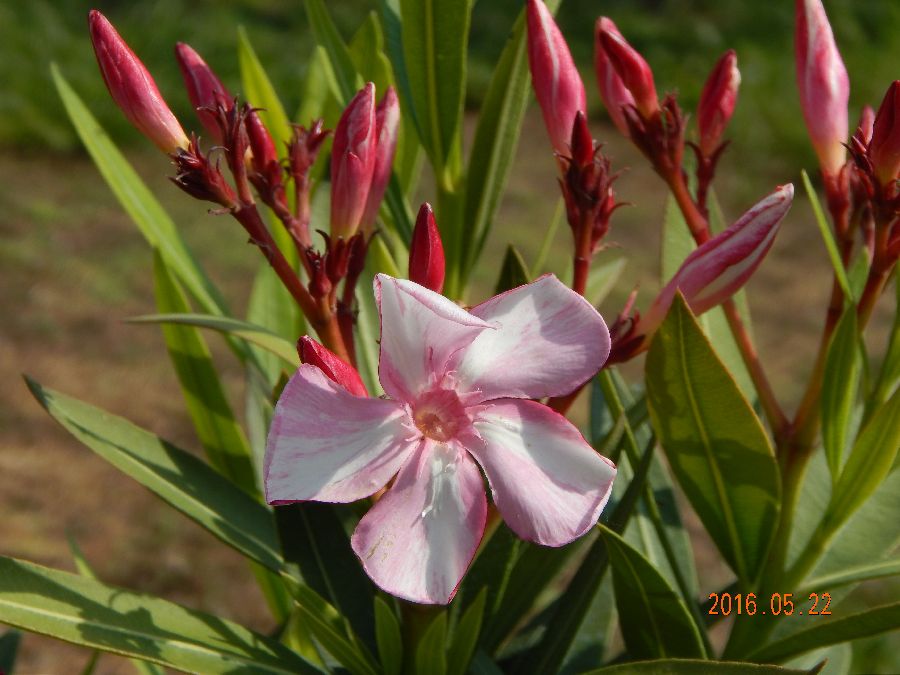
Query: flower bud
(204, 88)
(426, 252)
(353, 162)
(866, 124)
(823, 84)
(717, 269)
(387, 123)
(884, 148)
(717, 102)
(132, 87)
(613, 91)
(335, 368)
(262, 146)
(631, 67)
(557, 84)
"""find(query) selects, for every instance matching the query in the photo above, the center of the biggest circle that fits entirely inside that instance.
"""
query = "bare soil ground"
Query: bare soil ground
(73, 267)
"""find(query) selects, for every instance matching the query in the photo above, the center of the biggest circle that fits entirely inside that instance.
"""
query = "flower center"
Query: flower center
(440, 415)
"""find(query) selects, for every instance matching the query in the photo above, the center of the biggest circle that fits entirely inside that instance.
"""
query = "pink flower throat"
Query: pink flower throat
(440, 415)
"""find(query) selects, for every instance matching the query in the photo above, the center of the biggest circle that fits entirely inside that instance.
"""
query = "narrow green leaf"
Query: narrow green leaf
(319, 93)
(852, 575)
(255, 334)
(889, 373)
(260, 93)
(392, 24)
(655, 621)
(140, 204)
(677, 243)
(695, 667)
(85, 570)
(431, 654)
(86, 612)
(390, 641)
(715, 443)
(513, 271)
(869, 462)
(367, 336)
(861, 625)
(91, 665)
(839, 272)
(465, 636)
(271, 312)
(326, 35)
(602, 279)
(843, 367)
(313, 537)
(333, 632)
(367, 53)
(496, 138)
(9, 649)
(435, 40)
(179, 478)
(219, 433)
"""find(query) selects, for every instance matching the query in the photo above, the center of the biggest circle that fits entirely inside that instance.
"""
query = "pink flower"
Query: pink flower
(557, 84)
(823, 84)
(459, 384)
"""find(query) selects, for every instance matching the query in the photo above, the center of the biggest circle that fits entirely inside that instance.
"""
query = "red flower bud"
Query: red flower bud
(884, 148)
(717, 102)
(387, 122)
(426, 252)
(866, 124)
(557, 84)
(262, 145)
(717, 269)
(632, 68)
(823, 84)
(613, 91)
(353, 162)
(334, 367)
(204, 88)
(132, 87)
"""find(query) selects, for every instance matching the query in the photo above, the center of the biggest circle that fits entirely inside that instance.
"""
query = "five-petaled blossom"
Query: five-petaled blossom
(459, 386)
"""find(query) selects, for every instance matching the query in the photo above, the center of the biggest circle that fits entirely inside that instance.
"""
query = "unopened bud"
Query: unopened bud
(132, 87)
(823, 84)
(262, 145)
(631, 67)
(717, 102)
(353, 162)
(335, 368)
(866, 124)
(426, 252)
(387, 123)
(884, 148)
(557, 84)
(204, 88)
(613, 91)
(717, 269)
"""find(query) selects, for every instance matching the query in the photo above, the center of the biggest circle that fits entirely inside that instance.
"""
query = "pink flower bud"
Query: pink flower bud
(884, 148)
(262, 145)
(823, 84)
(557, 84)
(613, 91)
(204, 88)
(334, 367)
(866, 124)
(387, 122)
(353, 162)
(631, 67)
(426, 252)
(717, 269)
(717, 102)
(132, 87)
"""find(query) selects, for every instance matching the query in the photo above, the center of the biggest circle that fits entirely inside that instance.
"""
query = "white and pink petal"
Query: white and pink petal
(548, 341)
(417, 542)
(547, 482)
(326, 444)
(420, 332)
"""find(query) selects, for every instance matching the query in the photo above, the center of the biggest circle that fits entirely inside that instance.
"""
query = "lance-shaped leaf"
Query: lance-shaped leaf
(843, 367)
(223, 439)
(389, 638)
(86, 612)
(715, 443)
(176, 476)
(261, 94)
(697, 667)
(654, 619)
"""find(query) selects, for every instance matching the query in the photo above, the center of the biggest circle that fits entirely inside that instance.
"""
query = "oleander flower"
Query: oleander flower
(458, 387)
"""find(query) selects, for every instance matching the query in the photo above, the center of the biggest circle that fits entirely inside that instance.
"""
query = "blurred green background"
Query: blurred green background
(73, 266)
